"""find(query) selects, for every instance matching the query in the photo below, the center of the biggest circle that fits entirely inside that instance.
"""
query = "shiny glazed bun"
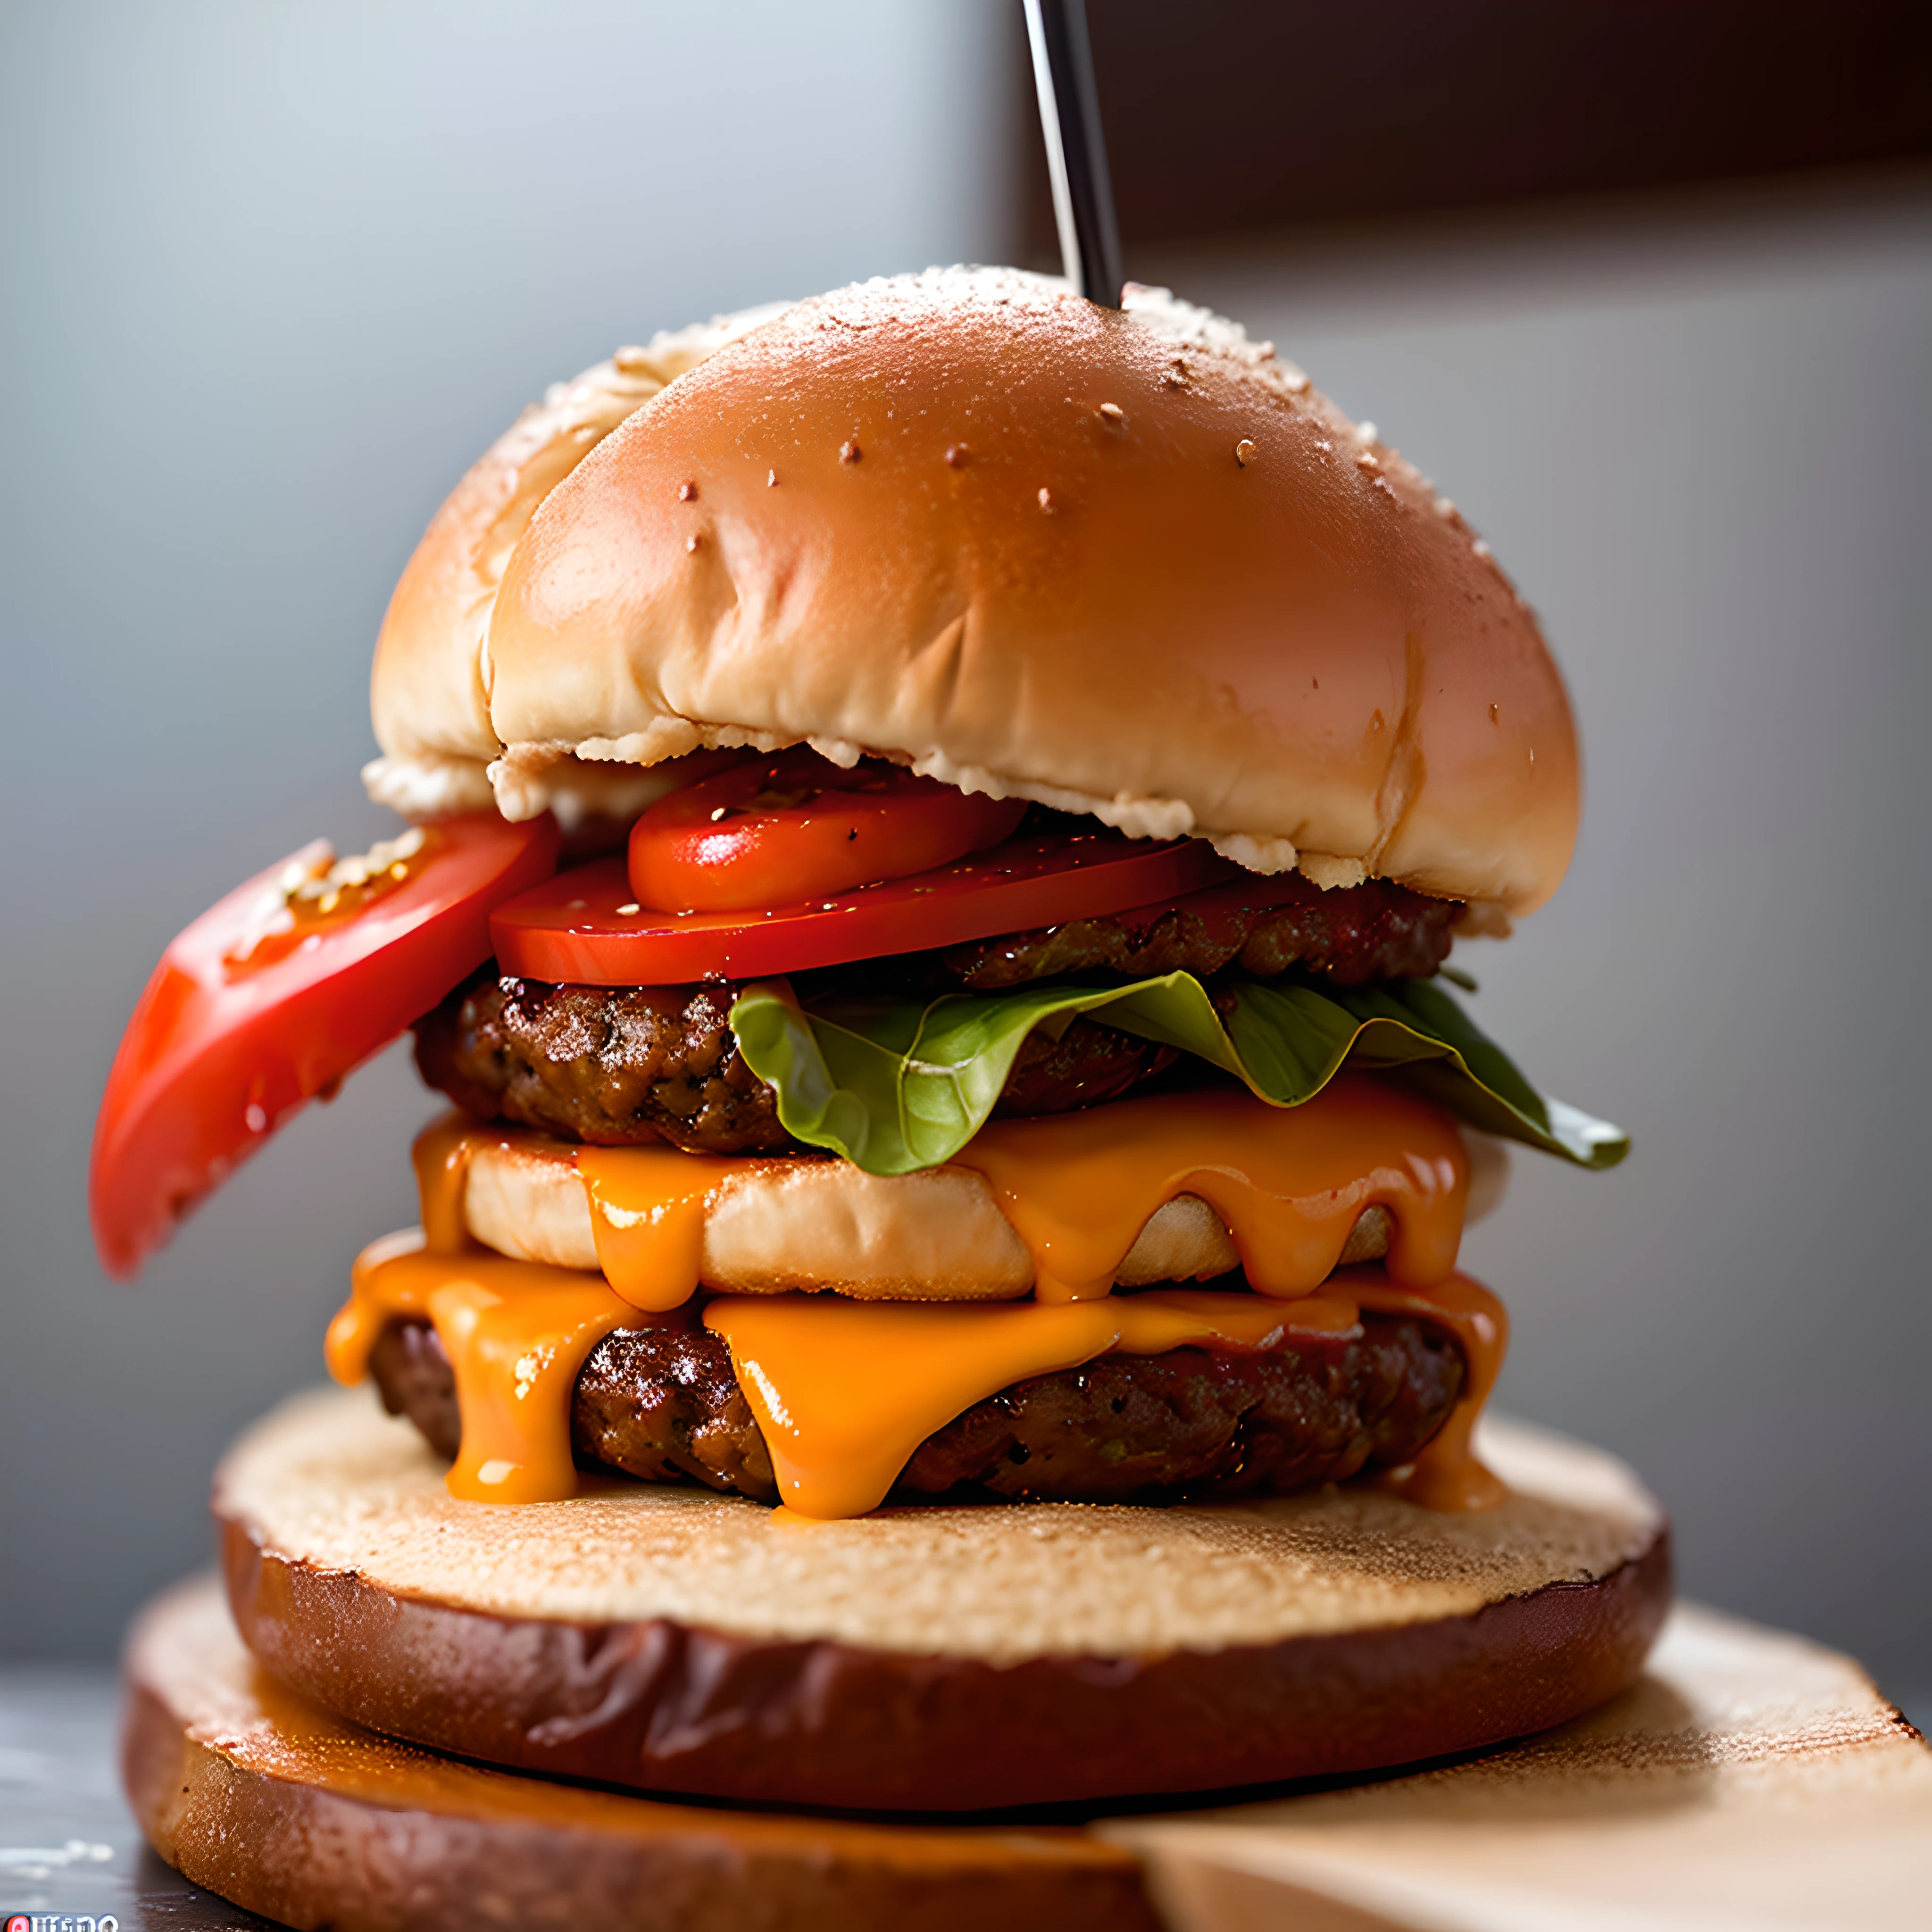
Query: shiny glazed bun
(1128, 563)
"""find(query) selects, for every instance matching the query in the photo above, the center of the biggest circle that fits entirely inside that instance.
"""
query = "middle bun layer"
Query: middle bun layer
(800, 1222)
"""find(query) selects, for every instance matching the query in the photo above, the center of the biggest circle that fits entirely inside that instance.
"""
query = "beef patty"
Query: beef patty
(1262, 926)
(663, 1405)
(614, 1066)
(619, 1065)
(609, 1065)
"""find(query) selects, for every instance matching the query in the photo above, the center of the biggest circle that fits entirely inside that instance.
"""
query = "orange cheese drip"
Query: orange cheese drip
(648, 1206)
(845, 1391)
(1289, 1182)
(516, 1334)
(441, 1157)
(1447, 1475)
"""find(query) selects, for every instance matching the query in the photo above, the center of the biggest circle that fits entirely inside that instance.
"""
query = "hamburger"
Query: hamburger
(938, 818)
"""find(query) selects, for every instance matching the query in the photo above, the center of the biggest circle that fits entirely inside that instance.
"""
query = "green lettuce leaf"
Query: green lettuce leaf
(895, 1084)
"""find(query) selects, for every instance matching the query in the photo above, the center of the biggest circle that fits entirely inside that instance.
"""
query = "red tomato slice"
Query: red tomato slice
(583, 926)
(796, 825)
(265, 1001)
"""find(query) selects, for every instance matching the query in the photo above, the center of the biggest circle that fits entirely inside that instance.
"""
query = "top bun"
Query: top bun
(1126, 562)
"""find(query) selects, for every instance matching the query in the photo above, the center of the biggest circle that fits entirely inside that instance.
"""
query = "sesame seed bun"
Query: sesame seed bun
(1127, 563)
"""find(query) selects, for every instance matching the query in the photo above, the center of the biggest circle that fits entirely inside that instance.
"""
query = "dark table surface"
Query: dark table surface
(68, 1848)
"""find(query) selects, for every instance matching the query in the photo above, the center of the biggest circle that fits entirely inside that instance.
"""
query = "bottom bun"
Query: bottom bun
(287, 1812)
(934, 1658)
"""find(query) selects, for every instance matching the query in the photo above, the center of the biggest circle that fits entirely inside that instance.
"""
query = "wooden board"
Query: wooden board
(1751, 1782)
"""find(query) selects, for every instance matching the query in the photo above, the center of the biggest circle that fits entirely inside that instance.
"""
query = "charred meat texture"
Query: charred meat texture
(1088, 1063)
(663, 1405)
(617, 1066)
(1195, 1421)
(411, 1368)
(613, 1065)
(1260, 927)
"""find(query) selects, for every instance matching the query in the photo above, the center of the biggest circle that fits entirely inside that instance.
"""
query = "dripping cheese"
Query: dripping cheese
(1289, 1182)
(516, 1332)
(1138, 1192)
(844, 1392)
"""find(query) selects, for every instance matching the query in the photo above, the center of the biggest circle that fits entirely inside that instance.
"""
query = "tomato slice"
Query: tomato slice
(273, 995)
(795, 825)
(583, 927)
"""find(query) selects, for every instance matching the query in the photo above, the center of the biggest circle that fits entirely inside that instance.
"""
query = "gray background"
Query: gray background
(270, 277)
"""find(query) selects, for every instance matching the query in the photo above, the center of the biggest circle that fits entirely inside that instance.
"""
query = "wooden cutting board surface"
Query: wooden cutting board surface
(1752, 1780)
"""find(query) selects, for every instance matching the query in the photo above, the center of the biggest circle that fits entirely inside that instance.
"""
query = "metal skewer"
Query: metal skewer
(1076, 151)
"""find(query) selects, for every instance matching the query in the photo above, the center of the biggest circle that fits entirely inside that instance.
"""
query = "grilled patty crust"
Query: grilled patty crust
(617, 1066)
(1260, 927)
(613, 1065)
(664, 1405)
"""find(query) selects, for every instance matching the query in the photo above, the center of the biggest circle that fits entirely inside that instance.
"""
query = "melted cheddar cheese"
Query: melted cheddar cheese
(1289, 1182)
(516, 1332)
(845, 1391)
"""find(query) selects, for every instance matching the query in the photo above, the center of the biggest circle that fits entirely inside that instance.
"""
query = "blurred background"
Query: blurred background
(1647, 288)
